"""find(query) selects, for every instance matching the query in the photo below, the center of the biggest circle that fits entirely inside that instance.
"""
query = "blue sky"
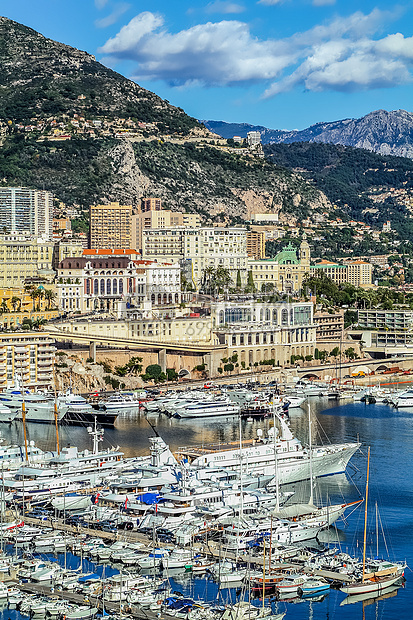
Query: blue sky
(281, 63)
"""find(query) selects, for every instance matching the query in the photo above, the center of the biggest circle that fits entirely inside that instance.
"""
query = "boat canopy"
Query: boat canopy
(295, 510)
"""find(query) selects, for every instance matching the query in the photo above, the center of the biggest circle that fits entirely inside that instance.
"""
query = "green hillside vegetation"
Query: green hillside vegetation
(41, 78)
(81, 171)
(347, 175)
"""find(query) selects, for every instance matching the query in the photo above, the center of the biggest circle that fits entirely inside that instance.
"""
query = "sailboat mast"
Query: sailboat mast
(57, 426)
(311, 455)
(365, 515)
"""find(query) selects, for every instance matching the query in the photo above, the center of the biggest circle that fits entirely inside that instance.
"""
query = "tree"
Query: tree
(239, 279)
(350, 353)
(250, 288)
(335, 352)
(3, 306)
(34, 295)
(16, 302)
(50, 297)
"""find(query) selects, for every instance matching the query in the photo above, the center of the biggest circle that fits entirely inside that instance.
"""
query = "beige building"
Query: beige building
(262, 331)
(66, 249)
(254, 331)
(23, 257)
(111, 226)
(30, 354)
(160, 219)
(330, 325)
(256, 244)
(285, 272)
(358, 272)
(199, 248)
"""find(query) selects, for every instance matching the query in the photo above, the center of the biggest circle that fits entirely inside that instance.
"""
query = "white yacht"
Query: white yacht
(209, 409)
(279, 453)
(39, 407)
(404, 399)
(6, 414)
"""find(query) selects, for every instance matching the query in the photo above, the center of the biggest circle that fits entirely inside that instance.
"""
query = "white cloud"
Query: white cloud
(323, 2)
(221, 6)
(270, 2)
(100, 4)
(338, 55)
(112, 18)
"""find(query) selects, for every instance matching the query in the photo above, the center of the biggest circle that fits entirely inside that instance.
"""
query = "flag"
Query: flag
(126, 503)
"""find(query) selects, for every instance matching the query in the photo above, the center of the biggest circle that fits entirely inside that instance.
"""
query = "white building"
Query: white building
(28, 211)
(203, 247)
(100, 282)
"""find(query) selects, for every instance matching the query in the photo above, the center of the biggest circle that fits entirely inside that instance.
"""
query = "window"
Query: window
(102, 286)
(115, 286)
(120, 286)
(108, 287)
(96, 287)
(284, 316)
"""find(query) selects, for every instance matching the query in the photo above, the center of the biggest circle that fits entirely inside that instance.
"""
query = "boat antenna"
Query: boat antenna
(153, 428)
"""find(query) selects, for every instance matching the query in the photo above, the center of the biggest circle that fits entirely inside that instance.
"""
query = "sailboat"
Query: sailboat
(377, 575)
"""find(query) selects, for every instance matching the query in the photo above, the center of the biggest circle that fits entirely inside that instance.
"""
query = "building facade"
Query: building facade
(110, 226)
(264, 331)
(23, 257)
(256, 244)
(203, 247)
(283, 273)
(28, 211)
(102, 281)
(29, 354)
(160, 219)
(358, 272)
(330, 326)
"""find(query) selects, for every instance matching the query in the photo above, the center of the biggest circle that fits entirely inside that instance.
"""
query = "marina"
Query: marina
(340, 423)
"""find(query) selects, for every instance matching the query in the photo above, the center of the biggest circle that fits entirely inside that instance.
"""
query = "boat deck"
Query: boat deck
(195, 451)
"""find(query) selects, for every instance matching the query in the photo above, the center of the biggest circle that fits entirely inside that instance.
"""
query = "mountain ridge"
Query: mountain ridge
(381, 131)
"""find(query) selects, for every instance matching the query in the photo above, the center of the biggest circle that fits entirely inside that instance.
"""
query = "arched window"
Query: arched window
(87, 286)
(221, 318)
(291, 317)
(274, 317)
(108, 287)
(120, 286)
(130, 286)
(96, 287)
(102, 286)
(268, 314)
(115, 286)
(261, 315)
(284, 316)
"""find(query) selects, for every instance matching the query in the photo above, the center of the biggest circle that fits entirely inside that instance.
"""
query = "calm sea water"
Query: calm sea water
(387, 431)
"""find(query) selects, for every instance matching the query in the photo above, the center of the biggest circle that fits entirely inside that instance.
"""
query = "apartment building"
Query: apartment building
(111, 226)
(23, 257)
(27, 211)
(358, 272)
(203, 247)
(256, 244)
(30, 354)
(283, 273)
(330, 325)
(160, 219)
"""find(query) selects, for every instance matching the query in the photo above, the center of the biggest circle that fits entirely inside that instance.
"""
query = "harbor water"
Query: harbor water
(388, 432)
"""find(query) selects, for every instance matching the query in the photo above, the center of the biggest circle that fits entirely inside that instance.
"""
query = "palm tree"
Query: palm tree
(50, 297)
(16, 302)
(34, 294)
(40, 295)
(3, 306)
